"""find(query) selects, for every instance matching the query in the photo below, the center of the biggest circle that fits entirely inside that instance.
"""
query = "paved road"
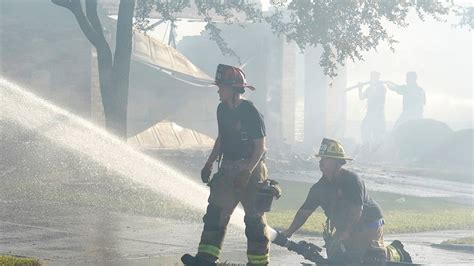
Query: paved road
(83, 236)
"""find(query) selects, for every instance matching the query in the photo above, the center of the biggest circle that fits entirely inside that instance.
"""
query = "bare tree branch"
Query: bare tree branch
(90, 26)
(91, 12)
(64, 3)
(103, 48)
(76, 8)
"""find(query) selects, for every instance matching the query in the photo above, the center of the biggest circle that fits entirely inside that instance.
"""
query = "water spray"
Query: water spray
(69, 130)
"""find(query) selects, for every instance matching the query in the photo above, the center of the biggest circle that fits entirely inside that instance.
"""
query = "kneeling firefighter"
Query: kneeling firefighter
(239, 150)
(354, 225)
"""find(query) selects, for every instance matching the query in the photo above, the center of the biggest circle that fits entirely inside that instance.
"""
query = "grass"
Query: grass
(294, 194)
(403, 214)
(60, 187)
(111, 194)
(40, 173)
(18, 261)
(460, 241)
(454, 173)
(397, 221)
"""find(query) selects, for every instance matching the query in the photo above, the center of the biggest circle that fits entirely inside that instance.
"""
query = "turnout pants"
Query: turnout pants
(366, 247)
(223, 200)
(366, 244)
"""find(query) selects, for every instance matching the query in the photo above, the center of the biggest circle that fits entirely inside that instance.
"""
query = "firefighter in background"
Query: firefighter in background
(414, 98)
(239, 150)
(373, 125)
(354, 225)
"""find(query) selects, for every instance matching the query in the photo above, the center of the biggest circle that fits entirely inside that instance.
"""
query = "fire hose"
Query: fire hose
(311, 251)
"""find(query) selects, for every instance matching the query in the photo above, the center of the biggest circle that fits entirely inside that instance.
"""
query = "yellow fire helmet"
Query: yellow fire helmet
(332, 149)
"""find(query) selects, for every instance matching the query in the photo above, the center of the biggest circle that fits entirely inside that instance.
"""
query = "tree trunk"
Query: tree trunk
(113, 74)
(116, 120)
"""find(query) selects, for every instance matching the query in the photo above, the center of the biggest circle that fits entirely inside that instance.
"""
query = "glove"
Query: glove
(242, 179)
(206, 173)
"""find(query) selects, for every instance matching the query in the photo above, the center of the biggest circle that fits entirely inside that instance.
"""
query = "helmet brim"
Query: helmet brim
(235, 85)
(333, 157)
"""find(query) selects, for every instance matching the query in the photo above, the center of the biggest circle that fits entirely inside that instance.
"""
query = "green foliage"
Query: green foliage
(229, 11)
(466, 15)
(344, 29)
(18, 261)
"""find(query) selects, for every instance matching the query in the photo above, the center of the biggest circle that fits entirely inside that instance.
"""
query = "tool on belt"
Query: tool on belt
(266, 191)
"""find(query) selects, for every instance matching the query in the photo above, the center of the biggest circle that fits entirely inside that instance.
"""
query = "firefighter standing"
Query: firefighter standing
(414, 98)
(373, 125)
(240, 148)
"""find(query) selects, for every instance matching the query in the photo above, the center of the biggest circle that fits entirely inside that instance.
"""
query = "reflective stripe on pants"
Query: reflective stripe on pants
(209, 249)
(258, 259)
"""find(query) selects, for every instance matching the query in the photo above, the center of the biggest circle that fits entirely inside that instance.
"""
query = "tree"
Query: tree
(113, 71)
(344, 29)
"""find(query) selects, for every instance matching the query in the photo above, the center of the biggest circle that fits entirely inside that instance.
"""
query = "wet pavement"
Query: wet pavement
(87, 237)
(84, 236)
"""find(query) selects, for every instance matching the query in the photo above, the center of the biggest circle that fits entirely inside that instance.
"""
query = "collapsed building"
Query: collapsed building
(171, 101)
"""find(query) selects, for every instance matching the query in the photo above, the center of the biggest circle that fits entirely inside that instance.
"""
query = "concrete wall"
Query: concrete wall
(288, 87)
(325, 101)
(316, 102)
(336, 108)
